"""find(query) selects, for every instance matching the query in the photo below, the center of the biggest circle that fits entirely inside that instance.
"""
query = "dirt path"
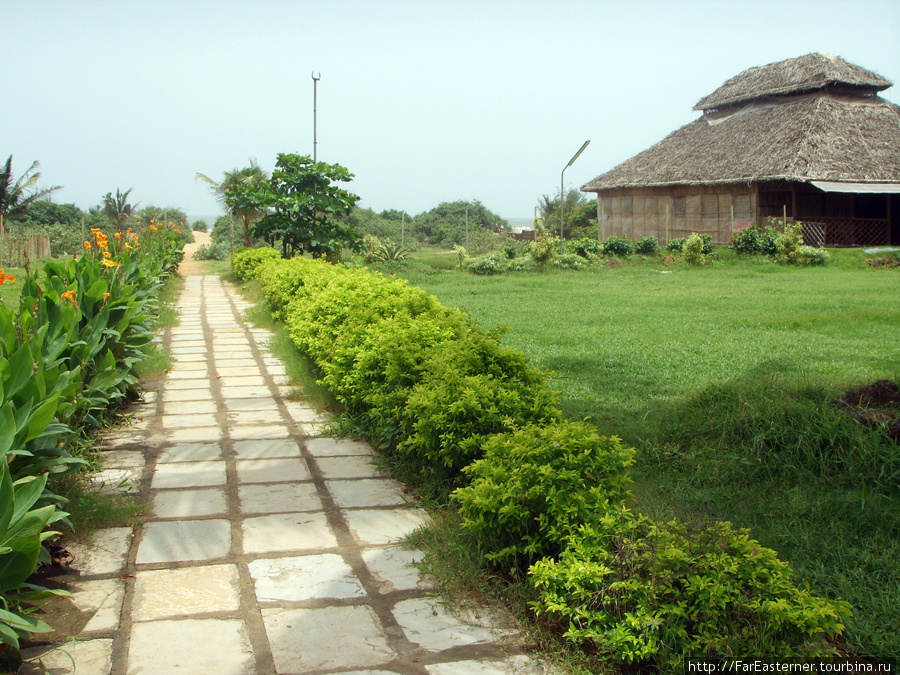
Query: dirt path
(189, 266)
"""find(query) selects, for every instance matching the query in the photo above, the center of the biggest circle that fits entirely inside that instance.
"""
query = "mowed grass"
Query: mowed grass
(633, 346)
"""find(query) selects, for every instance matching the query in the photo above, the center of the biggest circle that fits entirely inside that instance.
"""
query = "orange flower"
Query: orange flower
(118, 235)
(128, 246)
(171, 223)
(153, 227)
(108, 263)
(106, 254)
(95, 230)
(105, 296)
(177, 230)
(87, 245)
(70, 297)
(5, 277)
(129, 229)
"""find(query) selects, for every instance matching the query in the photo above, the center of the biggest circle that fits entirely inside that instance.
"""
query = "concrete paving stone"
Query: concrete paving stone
(304, 578)
(190, 647)
(188, 350)
(148, 396)
(186, 336)
(337, 447)
(279, 498)
(255, 417)
(266, 449)
(84, 657)
(303, 640)
(187, 358)
(313, 429)
(101, 599)
(181, 344)
(384, 526)
(189, 503)
(164, 594)
(303, 413)
(191, 367)
(243, 381)
(394, 569)
(198, 434)
(188, 475)
(184, 540)
(272, 470)
(512, 665)
(123, 459)
(141, 422)
(367, 492)
(247, 404)
(427, 622)
(178, 385)
(238, 371)
(190, 452)
(259, 432)
(105, 554)
(353, 466)
(233, 353)
(246, 392)
(204, 406)
(244, 362)
(195, 374)
(122, 437)
(276, 370)
(230, 343)
(186, 395)
(117, 480)
(188, 421)
(287, 532)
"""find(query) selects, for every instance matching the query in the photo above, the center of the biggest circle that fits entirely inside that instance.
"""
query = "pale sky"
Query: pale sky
(425, 101)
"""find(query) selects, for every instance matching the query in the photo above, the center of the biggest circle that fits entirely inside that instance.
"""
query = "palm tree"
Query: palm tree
(232, 181)
(117, 208)
(17, 196)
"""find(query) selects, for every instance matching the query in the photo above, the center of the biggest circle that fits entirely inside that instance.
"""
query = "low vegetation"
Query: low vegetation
(454, 411)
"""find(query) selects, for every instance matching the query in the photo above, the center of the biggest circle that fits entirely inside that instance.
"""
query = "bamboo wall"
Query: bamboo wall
(670, 213)
(15, 251)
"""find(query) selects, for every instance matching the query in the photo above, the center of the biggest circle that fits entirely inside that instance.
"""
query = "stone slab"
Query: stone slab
(384, 526)
(190, 647)
(394, 569)
(353, 466)
(304, 578)
(105, 554)
(161, 594)
(189, 420)
(272, 470)
(303, 640)
(189, 503)
(428, 623)
(190, 452)
(287, 532)
(278, 498)
(334, 447)
(194, 435)
(513, 665)
(188, 475)
(84, 657)
(272, 431)
(365, 493)
(184, 540)
(266, 449)
(185, 395)
(239, 404)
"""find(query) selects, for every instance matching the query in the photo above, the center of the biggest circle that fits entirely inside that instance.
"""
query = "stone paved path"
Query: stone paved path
(268, 548)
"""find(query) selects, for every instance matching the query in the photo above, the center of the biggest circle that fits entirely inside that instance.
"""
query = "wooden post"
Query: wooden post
(667, 223)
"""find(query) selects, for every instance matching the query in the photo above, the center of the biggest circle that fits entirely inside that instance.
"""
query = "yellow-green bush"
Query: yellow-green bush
(245, 261)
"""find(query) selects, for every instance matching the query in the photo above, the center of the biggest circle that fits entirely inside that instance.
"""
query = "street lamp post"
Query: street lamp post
(562, 199)
(315, 94)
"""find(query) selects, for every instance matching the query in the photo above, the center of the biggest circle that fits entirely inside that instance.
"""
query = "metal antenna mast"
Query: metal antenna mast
(315, 93)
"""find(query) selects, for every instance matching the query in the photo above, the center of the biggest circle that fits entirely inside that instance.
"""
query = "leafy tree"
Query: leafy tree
(117, 208)
(303, 207)
(233, 194)
(446, 223)
(16, 196)
(574, 204)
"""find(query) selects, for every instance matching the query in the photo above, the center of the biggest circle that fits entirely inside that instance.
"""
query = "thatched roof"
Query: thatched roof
(800, 75)
(818, 136)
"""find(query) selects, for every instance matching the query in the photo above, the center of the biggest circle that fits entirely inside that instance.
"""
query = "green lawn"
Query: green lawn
(633, 347)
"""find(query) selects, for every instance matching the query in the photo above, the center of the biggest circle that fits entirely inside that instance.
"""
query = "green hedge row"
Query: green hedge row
(68, 353)
(454, 410)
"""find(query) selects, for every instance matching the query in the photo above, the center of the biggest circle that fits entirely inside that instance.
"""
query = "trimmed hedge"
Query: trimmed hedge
(454, 411)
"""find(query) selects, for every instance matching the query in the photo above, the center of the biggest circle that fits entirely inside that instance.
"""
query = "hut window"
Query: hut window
(627, 206)
(678, 206)
(710, 207)
(742, 208)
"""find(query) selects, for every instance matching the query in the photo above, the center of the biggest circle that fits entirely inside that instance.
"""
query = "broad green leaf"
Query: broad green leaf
(20, 563)
(41, 417)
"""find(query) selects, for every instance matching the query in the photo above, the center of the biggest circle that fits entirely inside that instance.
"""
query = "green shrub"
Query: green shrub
(492, 263)
(218, 251)
(755, 240)
(586, 247)
(245, 263)
(812, 256)
(537, 486)
(199, 226)
(693, 250)
(708, 246)
(543, 250)
(645, 592)
(676, 245)
(569, 261)
(617, 246)
(646, 246)
(789, 242)
(522, 264)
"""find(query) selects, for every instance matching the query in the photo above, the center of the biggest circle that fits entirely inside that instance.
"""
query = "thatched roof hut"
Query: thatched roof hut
(808, 138)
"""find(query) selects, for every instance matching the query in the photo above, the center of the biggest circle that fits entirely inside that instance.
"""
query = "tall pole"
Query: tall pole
(562, 199)
(315, 107)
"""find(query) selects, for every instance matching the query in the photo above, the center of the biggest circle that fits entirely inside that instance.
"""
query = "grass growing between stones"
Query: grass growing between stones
(721, 377)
